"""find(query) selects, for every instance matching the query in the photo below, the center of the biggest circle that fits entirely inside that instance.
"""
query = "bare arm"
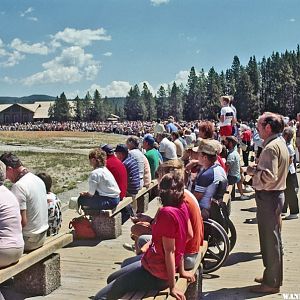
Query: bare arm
(23, 218)
(169, 249)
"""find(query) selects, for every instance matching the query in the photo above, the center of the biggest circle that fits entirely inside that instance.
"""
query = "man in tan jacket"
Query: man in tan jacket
(269, 182)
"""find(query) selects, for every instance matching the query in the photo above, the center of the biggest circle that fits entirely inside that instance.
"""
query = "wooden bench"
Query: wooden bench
(192, 290)
(38, 272)
(108, 223)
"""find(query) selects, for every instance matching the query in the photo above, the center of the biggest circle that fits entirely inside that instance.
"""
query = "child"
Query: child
(54, 206)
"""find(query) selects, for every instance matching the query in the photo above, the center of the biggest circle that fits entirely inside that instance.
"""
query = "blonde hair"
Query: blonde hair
(100, 156)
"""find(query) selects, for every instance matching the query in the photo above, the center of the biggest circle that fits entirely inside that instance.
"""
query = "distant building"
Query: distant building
(22, 113)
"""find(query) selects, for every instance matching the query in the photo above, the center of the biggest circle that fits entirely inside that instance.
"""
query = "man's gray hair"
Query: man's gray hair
(134, 141)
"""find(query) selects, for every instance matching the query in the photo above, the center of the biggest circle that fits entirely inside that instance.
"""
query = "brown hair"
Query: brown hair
(171, 189)
(207, 128)
(47, 180)
(100, 156)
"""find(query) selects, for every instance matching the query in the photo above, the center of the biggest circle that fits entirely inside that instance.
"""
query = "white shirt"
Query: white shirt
(228, 114)
(168, 149)
(31, 193)
(103, 181)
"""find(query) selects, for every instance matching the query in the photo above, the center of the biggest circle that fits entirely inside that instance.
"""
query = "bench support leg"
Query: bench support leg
(40, 279)
(106, 226)
(142, 203)
(194, 290)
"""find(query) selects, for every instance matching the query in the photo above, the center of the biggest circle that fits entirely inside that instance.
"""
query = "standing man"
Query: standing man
(269, 182)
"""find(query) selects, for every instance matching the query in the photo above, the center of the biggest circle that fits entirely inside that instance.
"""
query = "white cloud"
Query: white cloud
(292, 20)
(62, 74)
(159, 2)
(114, 89)
(182, 77)
(8, 80)
(81, 37)
(38, 48)
(13, 59)
(107, 54)
(1, 43)
(71, 66)
(34, 19)
(26, 12)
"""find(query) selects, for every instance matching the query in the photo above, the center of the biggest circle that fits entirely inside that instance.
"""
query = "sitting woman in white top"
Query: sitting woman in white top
(104, 192)
(11, 238)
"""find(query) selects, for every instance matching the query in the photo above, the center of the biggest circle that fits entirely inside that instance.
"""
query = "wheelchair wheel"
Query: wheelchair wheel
(218, 246)
(231, 234)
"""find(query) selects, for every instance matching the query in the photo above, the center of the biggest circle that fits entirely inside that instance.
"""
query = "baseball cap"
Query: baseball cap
(149, 139)
(108, 148)
(121, 148)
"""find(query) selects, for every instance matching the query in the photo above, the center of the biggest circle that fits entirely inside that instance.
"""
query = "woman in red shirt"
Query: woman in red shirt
(170, 231)
(246, 136)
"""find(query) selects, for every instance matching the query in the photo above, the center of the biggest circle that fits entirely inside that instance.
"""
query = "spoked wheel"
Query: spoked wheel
(218, 246)
(231, 234)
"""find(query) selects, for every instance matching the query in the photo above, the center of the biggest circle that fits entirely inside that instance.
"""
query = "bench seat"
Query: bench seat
(181, 283)
(30, 271)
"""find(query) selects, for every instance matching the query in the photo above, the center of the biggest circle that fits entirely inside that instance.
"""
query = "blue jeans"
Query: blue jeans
(98, 202)
(136, 278)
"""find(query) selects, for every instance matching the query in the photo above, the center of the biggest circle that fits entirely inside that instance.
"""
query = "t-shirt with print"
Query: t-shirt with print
(292, 153)
(170, 222)
(228, 114)
(31, 193)
(102, 181)
(207, 182)
(10, 220)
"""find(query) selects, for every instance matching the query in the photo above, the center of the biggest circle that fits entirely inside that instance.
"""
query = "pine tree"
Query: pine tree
(192, 103)
(162, 104)
(60, 111)
(134, 108)
(148, 99)
(212, 105)
(97, 108)
(175, 101)
(87, 107)
(78, 109)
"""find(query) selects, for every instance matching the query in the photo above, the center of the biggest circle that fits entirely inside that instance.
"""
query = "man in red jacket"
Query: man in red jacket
(117, 168)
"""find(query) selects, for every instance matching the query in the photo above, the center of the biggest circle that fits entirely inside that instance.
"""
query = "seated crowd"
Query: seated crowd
(192, 171)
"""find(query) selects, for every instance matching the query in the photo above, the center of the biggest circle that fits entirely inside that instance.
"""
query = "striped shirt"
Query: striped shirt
(132, 168)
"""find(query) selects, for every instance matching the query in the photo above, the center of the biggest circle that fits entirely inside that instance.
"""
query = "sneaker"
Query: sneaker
(248, 189)
(291, 217)
(129, 247)
(283, 214)
(244, 197)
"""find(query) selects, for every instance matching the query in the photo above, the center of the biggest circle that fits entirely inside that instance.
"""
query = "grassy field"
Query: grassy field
(66, 169)
(60, 139)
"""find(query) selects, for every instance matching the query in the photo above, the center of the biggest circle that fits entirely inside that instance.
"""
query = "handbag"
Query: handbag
(243, 146)
(83, 228)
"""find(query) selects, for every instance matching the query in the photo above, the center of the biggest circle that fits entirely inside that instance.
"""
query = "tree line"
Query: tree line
(272, 84)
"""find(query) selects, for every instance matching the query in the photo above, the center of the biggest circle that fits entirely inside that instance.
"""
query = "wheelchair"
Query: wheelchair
(220, 233)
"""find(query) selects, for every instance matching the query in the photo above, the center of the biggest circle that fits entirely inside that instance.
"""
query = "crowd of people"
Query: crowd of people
(194, 163)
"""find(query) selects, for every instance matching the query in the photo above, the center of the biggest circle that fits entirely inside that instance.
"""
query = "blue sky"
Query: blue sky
(75, 46)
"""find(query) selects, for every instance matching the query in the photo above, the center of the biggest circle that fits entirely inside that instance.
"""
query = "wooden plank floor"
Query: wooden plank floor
(86, 264)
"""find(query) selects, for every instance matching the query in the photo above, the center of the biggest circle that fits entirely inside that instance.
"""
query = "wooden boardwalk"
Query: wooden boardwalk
(86, 264)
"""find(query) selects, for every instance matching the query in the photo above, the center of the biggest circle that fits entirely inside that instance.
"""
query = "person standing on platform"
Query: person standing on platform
(269, 182)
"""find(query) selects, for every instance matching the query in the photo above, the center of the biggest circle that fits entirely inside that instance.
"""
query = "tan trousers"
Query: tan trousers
(34, 242)
(10, 256)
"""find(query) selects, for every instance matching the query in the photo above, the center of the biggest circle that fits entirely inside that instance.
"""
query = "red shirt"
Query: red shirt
(192, 246)
(116, 167)
(246, 135)
(170, 222)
